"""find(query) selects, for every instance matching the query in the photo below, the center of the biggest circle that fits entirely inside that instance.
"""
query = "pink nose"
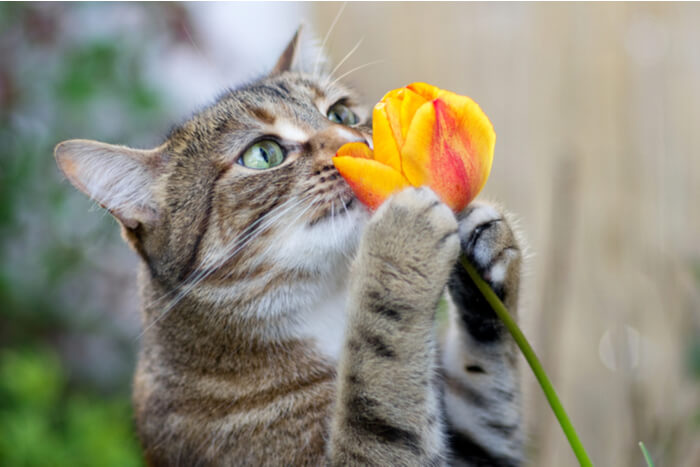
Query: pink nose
(326, 143)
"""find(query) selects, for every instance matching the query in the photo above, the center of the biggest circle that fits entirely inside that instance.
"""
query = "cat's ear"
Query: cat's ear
(120, 179)
(290, 54)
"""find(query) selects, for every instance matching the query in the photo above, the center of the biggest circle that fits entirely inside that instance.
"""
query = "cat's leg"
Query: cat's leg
(387, 410)
(479, 357)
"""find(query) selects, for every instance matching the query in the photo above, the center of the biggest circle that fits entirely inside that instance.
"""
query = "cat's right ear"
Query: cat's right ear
(288, 57)
(120, 179)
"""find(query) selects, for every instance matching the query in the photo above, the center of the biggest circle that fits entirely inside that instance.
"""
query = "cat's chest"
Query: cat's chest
(325, 323)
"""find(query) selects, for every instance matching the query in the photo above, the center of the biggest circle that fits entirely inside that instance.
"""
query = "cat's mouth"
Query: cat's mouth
(338, 207)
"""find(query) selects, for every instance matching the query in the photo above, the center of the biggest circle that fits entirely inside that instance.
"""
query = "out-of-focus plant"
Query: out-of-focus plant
(60, 405)
(46, 421)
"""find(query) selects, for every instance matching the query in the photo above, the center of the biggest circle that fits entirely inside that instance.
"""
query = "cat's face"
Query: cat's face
(243, 196)
(259, 161)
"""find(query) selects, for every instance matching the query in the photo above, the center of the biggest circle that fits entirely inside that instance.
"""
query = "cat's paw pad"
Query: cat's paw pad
(489, 243)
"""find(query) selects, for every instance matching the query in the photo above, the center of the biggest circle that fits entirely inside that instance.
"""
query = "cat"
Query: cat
(284, 323)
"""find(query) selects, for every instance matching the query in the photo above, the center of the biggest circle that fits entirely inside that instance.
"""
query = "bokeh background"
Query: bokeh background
(597, 111)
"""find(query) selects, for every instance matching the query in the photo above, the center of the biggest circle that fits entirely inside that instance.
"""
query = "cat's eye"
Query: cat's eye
(264, 154)
(341, 113)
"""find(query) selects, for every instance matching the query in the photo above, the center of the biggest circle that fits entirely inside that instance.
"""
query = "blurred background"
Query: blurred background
(597, 111)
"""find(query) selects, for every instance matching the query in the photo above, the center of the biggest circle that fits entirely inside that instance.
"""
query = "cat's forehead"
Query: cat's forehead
(288, 97)
(291, 105)
(295, 87)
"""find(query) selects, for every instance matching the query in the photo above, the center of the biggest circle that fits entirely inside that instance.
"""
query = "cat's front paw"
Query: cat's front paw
(488, 242)
(411, 243)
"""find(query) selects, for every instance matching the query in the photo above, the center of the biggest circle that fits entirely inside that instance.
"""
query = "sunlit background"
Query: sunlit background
(597, 111)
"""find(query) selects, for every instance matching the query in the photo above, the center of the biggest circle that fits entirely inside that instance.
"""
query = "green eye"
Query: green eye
(263, 155)
(340, 113)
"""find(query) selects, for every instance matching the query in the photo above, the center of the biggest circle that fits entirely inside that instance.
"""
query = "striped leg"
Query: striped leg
(387, 409)
(482, 393)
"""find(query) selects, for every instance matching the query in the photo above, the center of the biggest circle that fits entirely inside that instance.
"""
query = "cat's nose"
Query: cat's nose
(326, 142)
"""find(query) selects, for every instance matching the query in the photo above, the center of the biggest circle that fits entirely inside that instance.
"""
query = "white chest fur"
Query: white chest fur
(325, 324)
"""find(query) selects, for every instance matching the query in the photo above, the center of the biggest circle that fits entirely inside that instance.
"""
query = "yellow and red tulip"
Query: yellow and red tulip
(422, 135)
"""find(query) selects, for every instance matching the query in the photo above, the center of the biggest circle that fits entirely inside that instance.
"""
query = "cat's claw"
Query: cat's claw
(489, 243)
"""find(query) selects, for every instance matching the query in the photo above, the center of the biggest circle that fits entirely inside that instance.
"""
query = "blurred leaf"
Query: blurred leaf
(144, 99)
(103, 432)
(10, 13)
(27, 439)
(56, 84)
(60, 260)
(30, 378)
(17, 170)
(41, 426)
(87, 69)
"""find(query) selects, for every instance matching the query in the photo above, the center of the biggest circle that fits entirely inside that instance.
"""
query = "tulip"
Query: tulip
(422, 135)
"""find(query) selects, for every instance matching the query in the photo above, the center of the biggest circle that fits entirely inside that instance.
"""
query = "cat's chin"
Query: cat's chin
(333, 238)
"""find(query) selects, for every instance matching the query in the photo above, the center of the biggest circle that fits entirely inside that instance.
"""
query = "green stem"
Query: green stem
(532, 359)
(647, 456)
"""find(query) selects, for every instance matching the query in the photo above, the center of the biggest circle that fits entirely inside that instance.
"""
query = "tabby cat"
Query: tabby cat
(284, 323)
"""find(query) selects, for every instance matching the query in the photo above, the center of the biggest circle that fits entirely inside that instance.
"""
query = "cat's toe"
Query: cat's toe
(416, 235)
(489, 243)
(429, 223)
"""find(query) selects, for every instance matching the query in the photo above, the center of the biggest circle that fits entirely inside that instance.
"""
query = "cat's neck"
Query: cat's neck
(190, 332)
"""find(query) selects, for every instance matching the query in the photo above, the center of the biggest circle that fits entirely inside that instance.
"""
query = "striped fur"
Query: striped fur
(284, 324)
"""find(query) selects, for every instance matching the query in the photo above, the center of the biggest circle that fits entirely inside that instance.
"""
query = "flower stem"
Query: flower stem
(532, 359)
(647, 456)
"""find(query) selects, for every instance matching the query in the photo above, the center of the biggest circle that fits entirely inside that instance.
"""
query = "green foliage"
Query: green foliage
(45, 422)
(58, 83)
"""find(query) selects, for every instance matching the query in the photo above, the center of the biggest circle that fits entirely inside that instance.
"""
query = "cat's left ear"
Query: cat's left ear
(290, 54)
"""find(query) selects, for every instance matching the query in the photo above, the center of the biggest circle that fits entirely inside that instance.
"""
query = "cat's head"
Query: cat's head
(243, 191)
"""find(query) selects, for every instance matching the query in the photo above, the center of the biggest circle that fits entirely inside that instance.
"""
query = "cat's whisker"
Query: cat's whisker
(253, 231)
(205, 272)
(195, 275)
(345, 208)
(268, 219)
(242, 236)
(347, 56)
(284, 230)
(268, 222)
(334, 232)
(357, 68)
(244, 240)
(206, 59)
(325, 39)
(347, 213)
(293, 222)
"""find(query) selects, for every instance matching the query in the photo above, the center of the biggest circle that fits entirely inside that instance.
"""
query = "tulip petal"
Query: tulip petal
(409, 105)
(426, 91)
(359, 150)
(417, 149)
(438, 153)
(478, 131)
(471, 118)
(393, 112)
(386, 150)
(370, 180)
(394, 93)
